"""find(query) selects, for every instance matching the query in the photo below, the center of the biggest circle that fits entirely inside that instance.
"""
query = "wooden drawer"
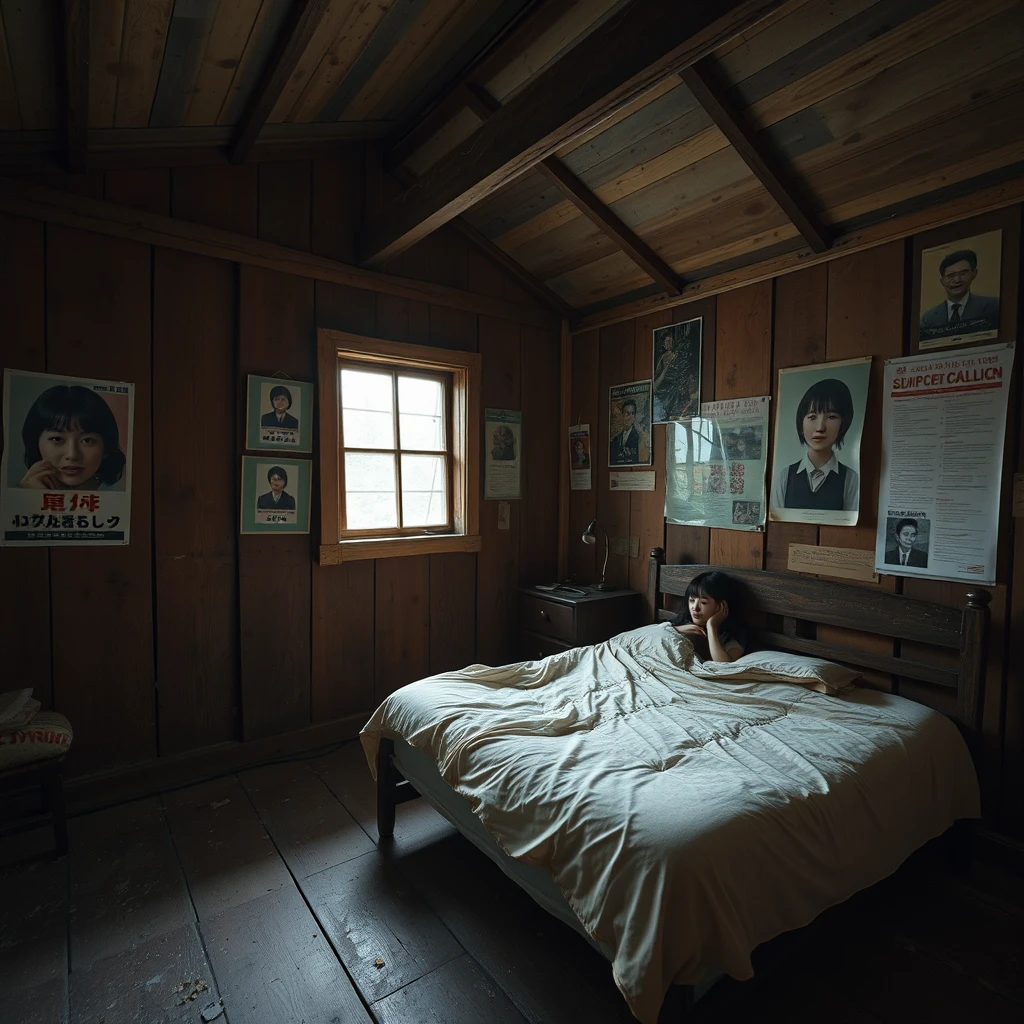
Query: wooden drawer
(548, 617)
(533, 646)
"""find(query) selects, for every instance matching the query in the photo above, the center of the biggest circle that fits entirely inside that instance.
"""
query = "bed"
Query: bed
(678, 814)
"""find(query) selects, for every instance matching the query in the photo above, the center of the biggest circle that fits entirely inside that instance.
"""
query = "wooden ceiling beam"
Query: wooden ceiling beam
(483, 244)
(484, 105)
(535, 18)
(704, 82)
(626, 56)
(304, 17)
(75, 49)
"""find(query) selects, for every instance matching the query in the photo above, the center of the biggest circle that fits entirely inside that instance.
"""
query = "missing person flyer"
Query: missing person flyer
(715, 466)
(943, 423)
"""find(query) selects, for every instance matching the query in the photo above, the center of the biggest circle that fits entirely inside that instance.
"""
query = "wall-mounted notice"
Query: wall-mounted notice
(715, 466)
(845, 563)
(636, 481)
(503, 453)
(579, 457)
(943, 422)
(66, 472)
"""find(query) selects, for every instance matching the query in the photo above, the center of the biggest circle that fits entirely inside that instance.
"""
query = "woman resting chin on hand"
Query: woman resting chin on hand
(705, 616)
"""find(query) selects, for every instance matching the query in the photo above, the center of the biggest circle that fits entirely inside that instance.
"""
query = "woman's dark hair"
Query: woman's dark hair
(829, 395)
(73, 407)
(277, 471)
(280, 389)
(719, 587)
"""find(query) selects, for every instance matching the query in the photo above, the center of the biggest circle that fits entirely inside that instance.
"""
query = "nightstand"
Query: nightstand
(553, 621)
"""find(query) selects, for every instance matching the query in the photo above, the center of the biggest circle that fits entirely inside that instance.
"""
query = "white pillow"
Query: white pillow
(784, 667)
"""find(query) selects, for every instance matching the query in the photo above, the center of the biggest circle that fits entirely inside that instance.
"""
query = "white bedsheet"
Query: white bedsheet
(686, 819)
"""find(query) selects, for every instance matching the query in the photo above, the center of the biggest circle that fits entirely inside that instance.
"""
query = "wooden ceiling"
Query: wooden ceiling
(602, 149)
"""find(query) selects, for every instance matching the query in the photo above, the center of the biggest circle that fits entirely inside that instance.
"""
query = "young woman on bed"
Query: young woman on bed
(705, 619)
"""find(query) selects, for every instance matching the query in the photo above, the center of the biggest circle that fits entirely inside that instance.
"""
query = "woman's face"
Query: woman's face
(821, 428)
(75, 454)
(281, 403)
(277, 484)
(702, 608)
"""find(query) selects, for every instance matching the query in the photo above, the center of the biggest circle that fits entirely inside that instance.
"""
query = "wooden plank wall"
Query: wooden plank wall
(856, 305)
(193, 635)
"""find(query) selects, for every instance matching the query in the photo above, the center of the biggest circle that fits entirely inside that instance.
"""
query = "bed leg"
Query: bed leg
(387, 779)
(959, 844)
(678, 1002)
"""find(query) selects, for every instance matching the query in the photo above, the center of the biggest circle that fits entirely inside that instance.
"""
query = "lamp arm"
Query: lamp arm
(604, 568)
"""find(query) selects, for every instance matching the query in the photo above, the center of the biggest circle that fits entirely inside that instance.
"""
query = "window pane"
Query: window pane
(424, 487)
(370, 491)
(367, 419)
(421, 413)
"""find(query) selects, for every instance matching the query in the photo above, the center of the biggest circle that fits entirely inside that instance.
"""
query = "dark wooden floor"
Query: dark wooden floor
(267, 890)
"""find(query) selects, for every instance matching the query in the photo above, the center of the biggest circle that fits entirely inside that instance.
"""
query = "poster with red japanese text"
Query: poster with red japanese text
(943, 425)
(65, 475)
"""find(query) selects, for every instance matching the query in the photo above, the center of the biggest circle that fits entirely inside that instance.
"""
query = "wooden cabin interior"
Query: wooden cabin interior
(196, 191)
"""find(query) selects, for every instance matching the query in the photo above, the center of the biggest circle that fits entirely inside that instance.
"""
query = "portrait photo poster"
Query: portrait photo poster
(275, 495)
(580, 457)
(715, 466)
(819, 420)
(960, 286)
(675, 371)
(629, 424)
(943, 428)
(66, 470)
(503, 454)
(279, 414)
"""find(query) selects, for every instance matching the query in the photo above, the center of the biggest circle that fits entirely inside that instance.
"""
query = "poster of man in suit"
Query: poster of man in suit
(960, 285)
(907, 541)
(629, 424)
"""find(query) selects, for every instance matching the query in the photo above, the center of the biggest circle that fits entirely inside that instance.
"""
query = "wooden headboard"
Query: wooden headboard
(800, 603)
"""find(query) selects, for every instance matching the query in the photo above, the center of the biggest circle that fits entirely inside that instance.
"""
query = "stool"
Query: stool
(50, 772)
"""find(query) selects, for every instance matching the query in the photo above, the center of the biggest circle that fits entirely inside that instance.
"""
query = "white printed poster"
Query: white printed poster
(579, 457)
(943, 423)
(65, 477)
(715, 466)
(503, 453)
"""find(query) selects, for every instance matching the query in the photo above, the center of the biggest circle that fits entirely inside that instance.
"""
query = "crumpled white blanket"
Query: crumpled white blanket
(686, 816)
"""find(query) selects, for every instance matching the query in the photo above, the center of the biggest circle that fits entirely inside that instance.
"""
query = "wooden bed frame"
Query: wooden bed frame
(792, 607)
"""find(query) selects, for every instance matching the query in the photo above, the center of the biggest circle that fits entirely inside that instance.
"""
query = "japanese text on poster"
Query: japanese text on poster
(943, 423)
(715, 466)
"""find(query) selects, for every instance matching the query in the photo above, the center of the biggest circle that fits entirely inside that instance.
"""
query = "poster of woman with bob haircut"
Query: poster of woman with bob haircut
(65, 476)
(818, 424)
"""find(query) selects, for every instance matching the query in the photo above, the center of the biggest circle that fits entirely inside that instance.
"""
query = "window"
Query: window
(398, 475)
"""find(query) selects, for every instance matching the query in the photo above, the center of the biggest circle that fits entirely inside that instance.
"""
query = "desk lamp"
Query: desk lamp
(590, 537)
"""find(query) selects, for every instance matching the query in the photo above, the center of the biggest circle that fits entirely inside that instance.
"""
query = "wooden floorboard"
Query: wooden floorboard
(273, 963)
(33, 929)
(228, 857)
(310, 828)
(456, 993)
(151, 981)
(384, 933)
(126, 885)
(212, 891)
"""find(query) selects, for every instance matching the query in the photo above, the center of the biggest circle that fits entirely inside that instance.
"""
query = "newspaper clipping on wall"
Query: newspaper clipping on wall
(943, 424)
(503, 453)
(579, 457)
(715, 466)
(65, 476)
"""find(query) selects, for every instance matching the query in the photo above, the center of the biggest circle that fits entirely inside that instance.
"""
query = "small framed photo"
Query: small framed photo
(279, 415)
(275, 495)
(963, 287)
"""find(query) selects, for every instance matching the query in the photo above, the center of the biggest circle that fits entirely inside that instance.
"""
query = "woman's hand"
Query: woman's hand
(42, 476)
(691, 629)
(720, 616)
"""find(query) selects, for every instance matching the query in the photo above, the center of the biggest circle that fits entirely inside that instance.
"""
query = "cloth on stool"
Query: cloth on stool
(46, 735)
(16, 709)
